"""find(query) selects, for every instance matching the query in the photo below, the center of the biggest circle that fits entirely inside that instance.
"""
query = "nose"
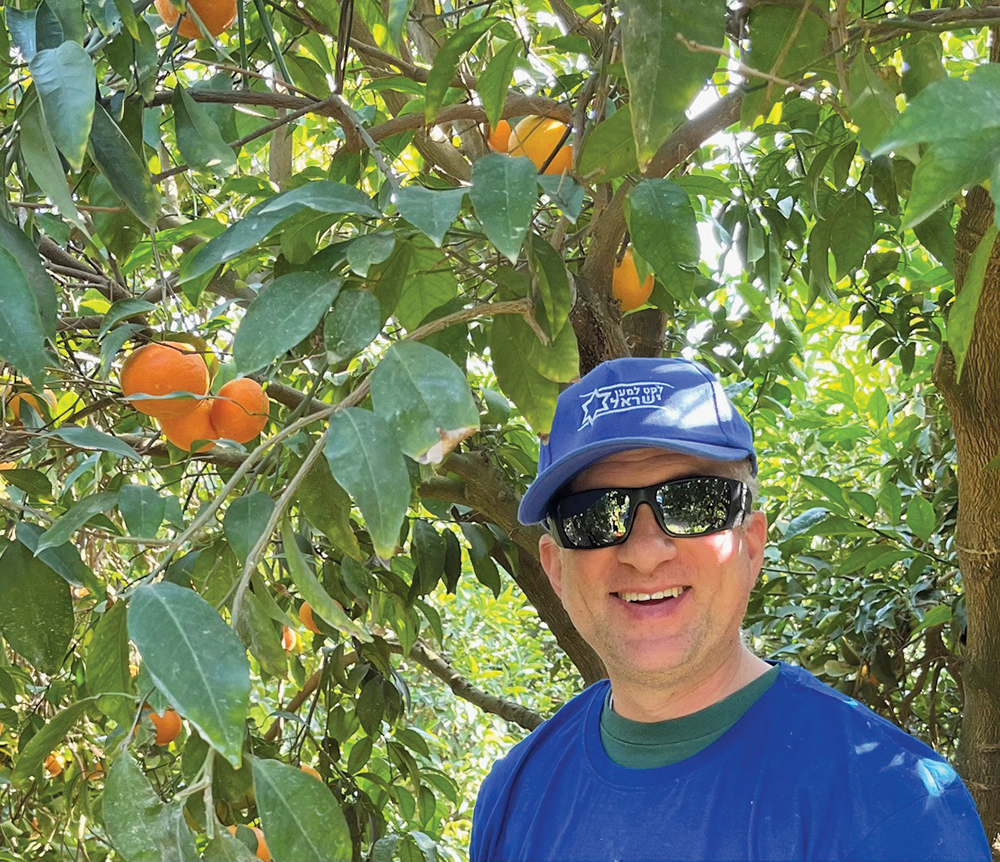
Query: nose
(647, 546)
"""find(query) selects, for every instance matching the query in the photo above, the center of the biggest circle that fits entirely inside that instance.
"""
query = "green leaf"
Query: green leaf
(142, 508)
(771, 32)
(78, 515)
(66, 84)
(140, 826)
(663, 75)
(878, 407)
(662, 224)
(121, 165)
(245, 520)
(64, 560)
(495, 81)
(256, 630)
(299, 815)
(920, 518)
(399, 11)
(196, 660)
(91, 438)
(327, 507)
(426, 400)
(873, 106)
(890, 500)
(106, 661)
(352, 324)
(320, 196)
(42, 159)
(962, 316)
(559, 360)
(313, 591)
(947, 109)
(446, 62)
(17, 244)
(936, 616)
(480, 543)
(609, 150)
(828, 489)
(852, 231)
(36, 609)
(533, 394)
(22, 332)
(367, 249)
(431, 210)
(281, 316)
(504, 191)
(227, 848)
(922, 62)
(198, 137)
(948, 167)
(552, 293)
(366, 461)
(564, 192)
(802, 524)
(431, 284)
(33, 755)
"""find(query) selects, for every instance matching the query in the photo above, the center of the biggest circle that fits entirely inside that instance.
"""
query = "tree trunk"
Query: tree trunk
(973, 403)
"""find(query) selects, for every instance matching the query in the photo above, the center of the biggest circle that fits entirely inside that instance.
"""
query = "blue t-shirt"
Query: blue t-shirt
(806, 774)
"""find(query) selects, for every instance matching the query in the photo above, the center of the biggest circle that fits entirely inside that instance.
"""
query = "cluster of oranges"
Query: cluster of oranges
(541, 139)
(216, 15)
(238, 412)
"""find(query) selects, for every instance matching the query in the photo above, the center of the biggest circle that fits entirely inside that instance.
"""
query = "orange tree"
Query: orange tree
(307, 199)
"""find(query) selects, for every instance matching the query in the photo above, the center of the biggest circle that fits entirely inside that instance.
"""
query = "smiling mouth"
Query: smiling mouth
(650, 598)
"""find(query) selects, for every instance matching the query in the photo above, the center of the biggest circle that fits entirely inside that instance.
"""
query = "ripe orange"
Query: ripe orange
(308, 770)
(21, 398)
(240, 410)
(216, 15)
(289, 639)
(159, 369)
(262, 852)
(537, 138)
(499, 137)
(168, 725)
(182, 431)
(625, 285)
(306, 615)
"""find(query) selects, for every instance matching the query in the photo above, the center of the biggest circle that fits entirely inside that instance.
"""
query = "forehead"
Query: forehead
(636, 468)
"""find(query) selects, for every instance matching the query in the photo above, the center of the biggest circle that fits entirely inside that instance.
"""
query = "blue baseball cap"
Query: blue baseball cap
(636, 403)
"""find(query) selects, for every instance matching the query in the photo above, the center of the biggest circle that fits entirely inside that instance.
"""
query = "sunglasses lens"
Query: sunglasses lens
(593, 519)
(695, 507)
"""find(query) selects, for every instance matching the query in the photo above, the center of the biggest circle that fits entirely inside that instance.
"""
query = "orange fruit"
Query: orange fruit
(537, 138)
(168, 725)
(262, 852)
(159, 369)
(625, 285)
(182, 431)
(306, 615)
(53, 765)
(240, 410)
(289, 639)
(498, 137)
(216, 15)
(308, 770)
(18, 399)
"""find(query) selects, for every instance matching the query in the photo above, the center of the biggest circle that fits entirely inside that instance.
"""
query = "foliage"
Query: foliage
(412, 304)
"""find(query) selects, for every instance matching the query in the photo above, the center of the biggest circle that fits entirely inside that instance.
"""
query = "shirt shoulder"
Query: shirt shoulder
(558, 737)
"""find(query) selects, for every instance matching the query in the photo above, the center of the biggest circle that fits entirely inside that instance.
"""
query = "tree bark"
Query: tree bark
(973, 401)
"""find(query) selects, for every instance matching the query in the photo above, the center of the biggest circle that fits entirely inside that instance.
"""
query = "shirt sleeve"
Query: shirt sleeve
(934, 828)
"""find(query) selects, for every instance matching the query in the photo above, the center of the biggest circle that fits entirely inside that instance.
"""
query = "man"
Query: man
(695, 749)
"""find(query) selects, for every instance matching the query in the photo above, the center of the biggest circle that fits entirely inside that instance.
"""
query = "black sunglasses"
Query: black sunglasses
(695, 506)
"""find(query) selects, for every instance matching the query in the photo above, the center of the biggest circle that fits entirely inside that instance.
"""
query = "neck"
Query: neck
(677, 698)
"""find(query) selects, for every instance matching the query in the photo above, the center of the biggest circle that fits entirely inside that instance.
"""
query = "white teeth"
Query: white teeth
(672, 593)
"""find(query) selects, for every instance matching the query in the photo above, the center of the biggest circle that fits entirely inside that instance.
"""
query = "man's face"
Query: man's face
(668, 640)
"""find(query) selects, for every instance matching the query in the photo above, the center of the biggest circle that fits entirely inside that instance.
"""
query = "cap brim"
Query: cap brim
(535, 502)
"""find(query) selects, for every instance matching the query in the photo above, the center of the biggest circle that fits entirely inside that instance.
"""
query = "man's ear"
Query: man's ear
(755, 534)
(551, 558)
